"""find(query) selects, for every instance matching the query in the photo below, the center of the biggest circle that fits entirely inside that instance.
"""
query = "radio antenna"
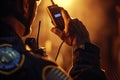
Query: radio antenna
(52, 2)
(38, 34)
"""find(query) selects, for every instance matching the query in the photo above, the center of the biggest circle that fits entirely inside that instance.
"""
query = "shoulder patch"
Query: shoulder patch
(10, 59)
(54, 73)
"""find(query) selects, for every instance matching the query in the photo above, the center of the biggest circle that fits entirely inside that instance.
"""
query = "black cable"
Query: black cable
(59, 50)
(52, 2)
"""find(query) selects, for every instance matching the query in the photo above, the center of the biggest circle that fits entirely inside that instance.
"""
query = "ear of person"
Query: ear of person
(25, 7)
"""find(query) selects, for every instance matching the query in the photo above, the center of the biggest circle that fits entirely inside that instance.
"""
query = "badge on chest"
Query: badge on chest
(10, 59)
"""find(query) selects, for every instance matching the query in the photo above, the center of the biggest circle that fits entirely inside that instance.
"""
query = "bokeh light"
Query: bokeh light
(64, 3)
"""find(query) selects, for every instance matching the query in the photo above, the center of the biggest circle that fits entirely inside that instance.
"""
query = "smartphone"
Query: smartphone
(54, 12)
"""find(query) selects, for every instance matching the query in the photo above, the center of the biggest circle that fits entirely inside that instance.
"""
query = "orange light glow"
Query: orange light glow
(38, 2)
(63, 2)
(48, 46)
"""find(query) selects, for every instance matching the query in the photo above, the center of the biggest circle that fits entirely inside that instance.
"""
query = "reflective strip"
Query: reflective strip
(54, 73)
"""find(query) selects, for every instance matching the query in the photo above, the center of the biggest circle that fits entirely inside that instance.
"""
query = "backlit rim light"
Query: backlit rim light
(64, 3)
(38, 2)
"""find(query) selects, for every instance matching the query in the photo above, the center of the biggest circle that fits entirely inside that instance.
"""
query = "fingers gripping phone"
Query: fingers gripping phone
(54, 12)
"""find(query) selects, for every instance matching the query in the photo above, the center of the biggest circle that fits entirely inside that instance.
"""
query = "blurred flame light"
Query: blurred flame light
(48, 46)
(64, 3)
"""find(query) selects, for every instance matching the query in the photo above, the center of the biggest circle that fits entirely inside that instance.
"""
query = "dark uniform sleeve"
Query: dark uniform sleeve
(86, 63)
